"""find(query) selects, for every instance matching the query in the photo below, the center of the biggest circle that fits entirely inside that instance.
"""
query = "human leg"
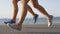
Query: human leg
(31, 11)
(15, 11)
(42, 10)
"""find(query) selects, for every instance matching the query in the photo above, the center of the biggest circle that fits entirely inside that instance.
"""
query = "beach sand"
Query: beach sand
(32, 29)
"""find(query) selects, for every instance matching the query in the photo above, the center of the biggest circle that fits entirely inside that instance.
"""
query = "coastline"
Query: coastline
(31, 29)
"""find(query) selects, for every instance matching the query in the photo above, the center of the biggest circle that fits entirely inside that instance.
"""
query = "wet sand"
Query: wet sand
(32, 29)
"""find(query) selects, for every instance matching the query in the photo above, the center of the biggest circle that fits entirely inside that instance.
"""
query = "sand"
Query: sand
(32, 29)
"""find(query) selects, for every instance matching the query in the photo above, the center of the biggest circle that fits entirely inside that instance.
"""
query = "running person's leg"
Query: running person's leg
(24, 11)
(31, 11)
(15, 11)
(42, 10)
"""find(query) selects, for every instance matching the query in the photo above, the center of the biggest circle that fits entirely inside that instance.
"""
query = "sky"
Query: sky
(51, 6)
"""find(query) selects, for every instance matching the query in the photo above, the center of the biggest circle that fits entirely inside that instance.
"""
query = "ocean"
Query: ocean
(31, 20)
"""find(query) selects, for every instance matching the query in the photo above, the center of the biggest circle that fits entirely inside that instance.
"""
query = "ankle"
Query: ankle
(36, 15)
(14, 20)
(50, 17)
(19, 23)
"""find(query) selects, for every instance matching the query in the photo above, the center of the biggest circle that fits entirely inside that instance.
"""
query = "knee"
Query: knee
(24, 1)
(14, 1)
(36, 6)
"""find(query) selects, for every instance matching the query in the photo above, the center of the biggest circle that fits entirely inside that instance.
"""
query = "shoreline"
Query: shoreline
(31, 29)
